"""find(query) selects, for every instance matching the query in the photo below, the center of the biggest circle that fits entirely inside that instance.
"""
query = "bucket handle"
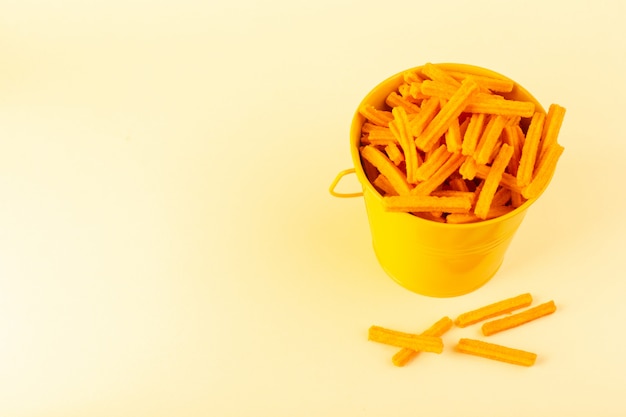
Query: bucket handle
(338, 178)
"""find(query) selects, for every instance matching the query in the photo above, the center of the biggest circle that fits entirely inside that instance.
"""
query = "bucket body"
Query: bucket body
(425, 256)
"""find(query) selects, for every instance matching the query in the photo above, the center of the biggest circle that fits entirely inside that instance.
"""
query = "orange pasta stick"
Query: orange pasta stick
(384, 185)
(468, 169)
(394, 153)
(460, 218)
(411, 76)
(493, 310)
(431, 88)
(387, 168)
(510, 137)
(395, 100)
(489, 138)
(544, 172)
(428, 110)
(505, 323)
(436, 73)
(381, 134)
(496, 352)
(432, 163)
(473, 133)
(458, 184)
(400, 129)
(499, 85)
(426, 187)
(492, 181)
(445, 91)
(530, 149)
(404, 355)
(507, 180)
(553, 123)
(375, 116)
(501, 197)
(453, 136)
(494, 105)
(405, 340)
(452, 110)
(428, 203)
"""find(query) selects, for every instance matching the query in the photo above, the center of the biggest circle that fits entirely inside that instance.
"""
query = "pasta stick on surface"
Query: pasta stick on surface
(404, 355)
(405, 340)
(496, 352)
(515, 320)
(493, 310)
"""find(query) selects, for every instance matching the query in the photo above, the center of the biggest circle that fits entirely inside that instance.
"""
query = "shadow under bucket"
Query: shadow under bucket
(428, 257)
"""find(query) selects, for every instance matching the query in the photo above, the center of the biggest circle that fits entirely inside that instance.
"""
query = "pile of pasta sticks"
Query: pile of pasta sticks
(430, 340)
(448, 146)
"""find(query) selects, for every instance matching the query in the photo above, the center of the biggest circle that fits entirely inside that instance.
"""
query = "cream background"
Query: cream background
(169, 246)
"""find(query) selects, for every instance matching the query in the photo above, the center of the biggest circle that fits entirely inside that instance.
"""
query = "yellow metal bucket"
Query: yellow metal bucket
(427, 257)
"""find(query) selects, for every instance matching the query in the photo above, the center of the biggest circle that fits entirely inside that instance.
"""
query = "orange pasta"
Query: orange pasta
(404, 355)
(496, 352)
(440, 127)
(493, 310)
(405, 340)
(518, 319)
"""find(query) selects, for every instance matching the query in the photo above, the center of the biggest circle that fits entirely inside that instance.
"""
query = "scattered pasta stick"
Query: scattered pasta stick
(544, 172)
(387, 168)
(492, 181)
(451, 166)
(554, 120)
(490, 138)
(493, 310)
(404, 355)
(530, 149)
(505, 323)
(496, 352)
(432, 163)
(453, 109)
(428, 203)
(375, 116)
(405, 340)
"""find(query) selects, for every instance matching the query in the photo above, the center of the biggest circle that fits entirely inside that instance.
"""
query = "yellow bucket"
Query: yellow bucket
(428, 257)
